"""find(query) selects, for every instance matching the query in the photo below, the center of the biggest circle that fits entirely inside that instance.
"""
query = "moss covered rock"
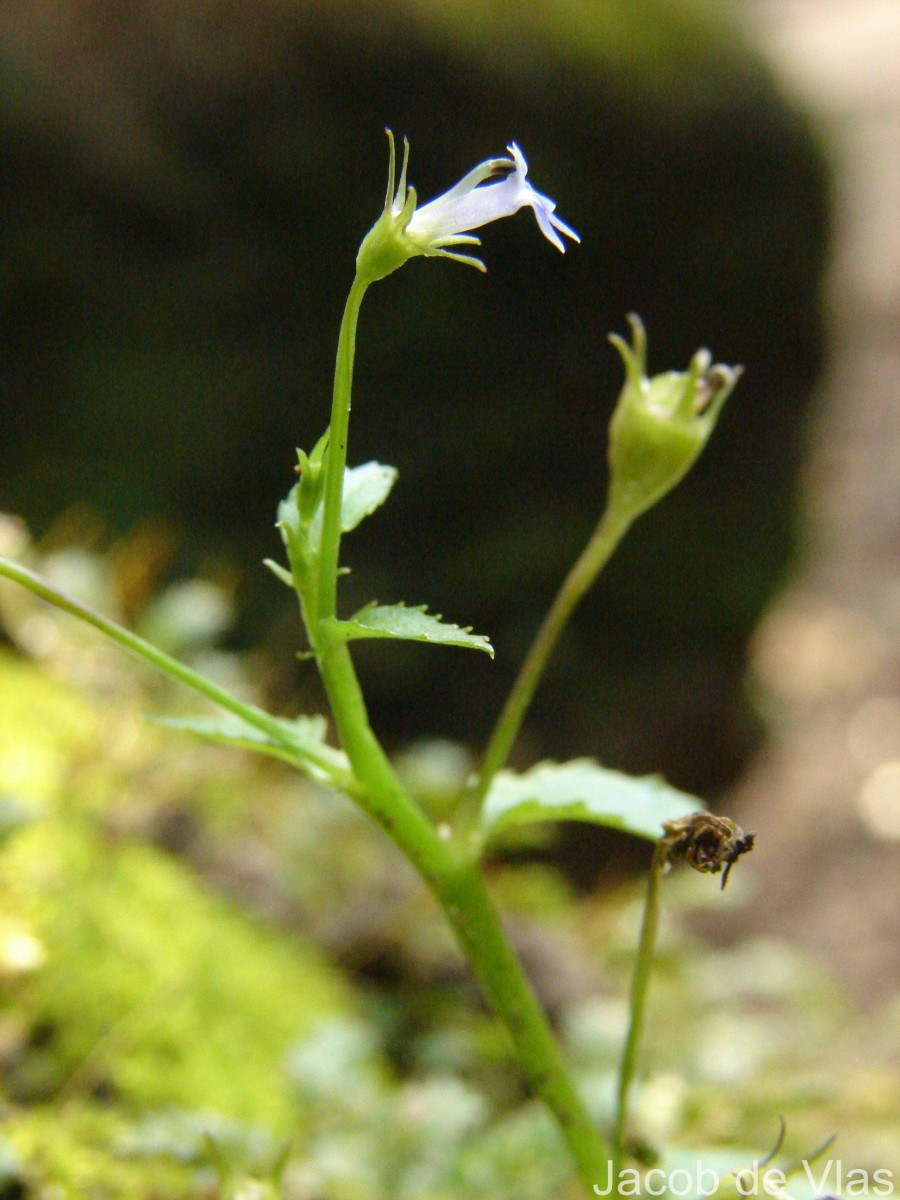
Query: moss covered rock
(69, 1153)
(150, 987)
(126, 984)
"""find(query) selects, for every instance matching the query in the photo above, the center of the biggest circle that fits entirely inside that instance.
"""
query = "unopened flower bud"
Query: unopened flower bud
(311, 487)
(660, 425)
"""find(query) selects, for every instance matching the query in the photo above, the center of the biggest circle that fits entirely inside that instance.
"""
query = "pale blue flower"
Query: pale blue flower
(474, 202)
(495, 188)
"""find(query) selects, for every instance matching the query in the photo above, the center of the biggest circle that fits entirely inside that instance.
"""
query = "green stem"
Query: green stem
(337, 455)
(639, 984)
(455, 881)
(584, 571)
(460, 889)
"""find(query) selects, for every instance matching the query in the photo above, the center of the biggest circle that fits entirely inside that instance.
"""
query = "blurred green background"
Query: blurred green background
(185, 186)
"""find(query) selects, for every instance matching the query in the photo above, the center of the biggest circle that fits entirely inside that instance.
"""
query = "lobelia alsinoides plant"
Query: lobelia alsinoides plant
(658, 429)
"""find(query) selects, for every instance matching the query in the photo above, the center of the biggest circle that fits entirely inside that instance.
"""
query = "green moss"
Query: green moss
(152, 987)
(42, 726)
(71, 1147)
(127, 985)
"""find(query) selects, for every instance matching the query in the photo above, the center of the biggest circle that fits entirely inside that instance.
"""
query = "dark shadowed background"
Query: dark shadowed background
(184, 186)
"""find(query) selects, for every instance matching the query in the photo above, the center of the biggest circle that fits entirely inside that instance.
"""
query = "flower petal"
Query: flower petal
(467, 205)
(542, 206)
(474, 202)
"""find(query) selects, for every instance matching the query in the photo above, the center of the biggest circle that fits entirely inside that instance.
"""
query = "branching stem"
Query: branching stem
(455, 880)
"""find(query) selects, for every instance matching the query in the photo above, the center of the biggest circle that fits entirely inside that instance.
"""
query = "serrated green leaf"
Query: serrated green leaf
(289, 514)
(303, 744)
(365, 489)
(582, 790)
(410, 624)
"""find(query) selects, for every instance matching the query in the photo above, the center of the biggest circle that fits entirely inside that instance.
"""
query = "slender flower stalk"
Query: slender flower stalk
(336, 460)
(710, 844)
(639, 984)
(590, 563)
